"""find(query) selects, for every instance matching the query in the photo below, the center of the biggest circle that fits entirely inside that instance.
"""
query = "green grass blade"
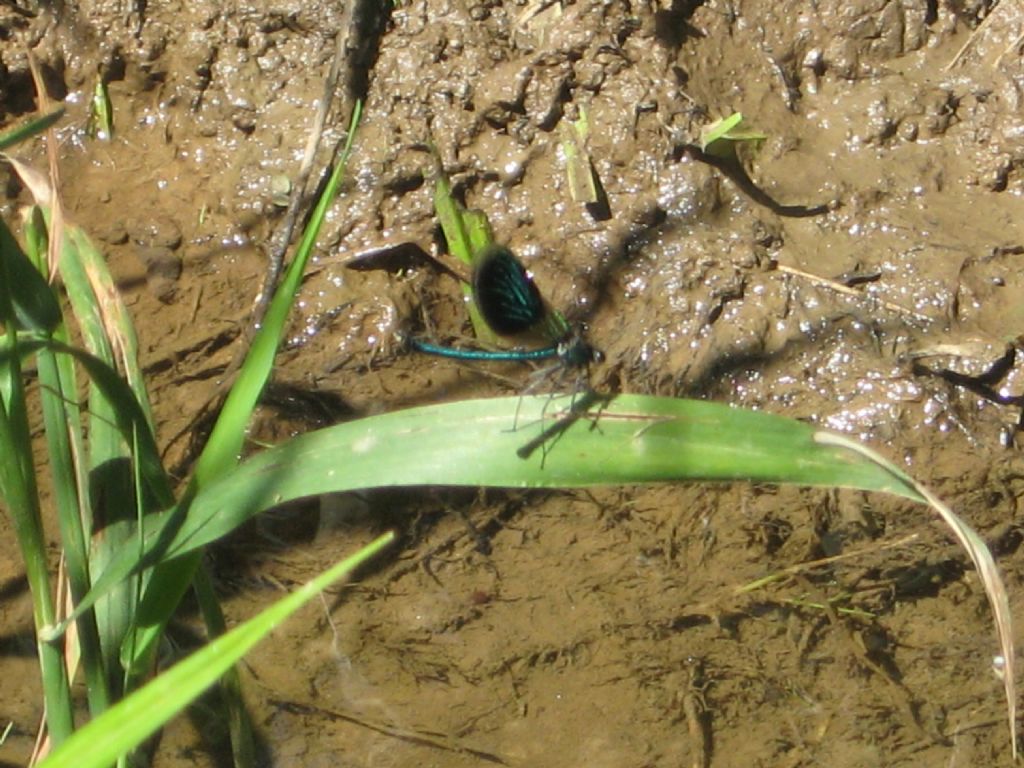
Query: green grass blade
(19, 493)
(635, 439)
(134, 431)
(93, 301)
(65, 442)
(220, 455)
(100, 124)
(118, 320)
(112, 463)
(579, 170)
(128, 416)
(450, 214)
(720, 137)
(225, 444)
(99, 313)
(30, 128)
(478, 228)
(62, 421)
(35, 306)
(96, 303)
(240, 731)
(127, 724)
(467, 234)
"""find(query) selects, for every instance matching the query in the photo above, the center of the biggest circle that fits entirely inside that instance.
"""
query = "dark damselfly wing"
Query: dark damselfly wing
(505, 293)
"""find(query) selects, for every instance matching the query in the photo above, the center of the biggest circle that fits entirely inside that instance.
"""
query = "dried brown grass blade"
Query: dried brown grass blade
(54, 202)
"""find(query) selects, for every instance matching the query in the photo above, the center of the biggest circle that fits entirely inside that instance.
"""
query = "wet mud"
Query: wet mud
(861, 269)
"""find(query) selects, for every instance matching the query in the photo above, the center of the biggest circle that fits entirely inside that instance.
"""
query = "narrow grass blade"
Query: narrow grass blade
(65, 443)
(109, 336)
(467, 234)
(116, 318)
(128, 417)
(35, 306)
(579, 170)
(240, 731)
(450, 215)
(96, 303)
(225, 444)
(100, 124)
(19, 493)
(127, 724)
(114, 452)
(720, 138)
(30, 128)
(478, 227)
(116, 420)
(220, 455)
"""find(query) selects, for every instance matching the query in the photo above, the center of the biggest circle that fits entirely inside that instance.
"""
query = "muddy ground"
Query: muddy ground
(602, 628)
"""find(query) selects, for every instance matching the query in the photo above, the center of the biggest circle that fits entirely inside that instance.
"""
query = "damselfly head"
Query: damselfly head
(577, 352)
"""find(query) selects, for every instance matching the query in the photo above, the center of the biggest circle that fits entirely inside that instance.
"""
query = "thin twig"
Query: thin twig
(419, 737)
(848, 291)
(282, 238)
(793, 570)
(969, 43)
(696, 711)
(280, 241)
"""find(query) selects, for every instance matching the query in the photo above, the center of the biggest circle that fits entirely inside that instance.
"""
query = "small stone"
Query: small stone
(244, 120)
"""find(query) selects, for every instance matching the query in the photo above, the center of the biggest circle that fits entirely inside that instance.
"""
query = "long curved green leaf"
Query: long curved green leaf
(629, 439)
(534, 442)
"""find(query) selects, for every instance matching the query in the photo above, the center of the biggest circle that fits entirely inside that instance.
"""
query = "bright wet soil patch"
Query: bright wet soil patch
(603, 628)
